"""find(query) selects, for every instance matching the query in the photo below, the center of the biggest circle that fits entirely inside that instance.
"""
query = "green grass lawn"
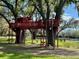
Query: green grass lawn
(14, 51)
(8, 51)
(69, 44)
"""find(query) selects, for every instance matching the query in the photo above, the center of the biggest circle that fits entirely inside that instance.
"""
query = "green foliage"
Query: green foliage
(3, 27)
(14, 9)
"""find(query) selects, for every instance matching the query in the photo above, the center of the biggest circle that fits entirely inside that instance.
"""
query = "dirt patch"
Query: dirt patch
(36, 50)
(57, 51)
(49, 51)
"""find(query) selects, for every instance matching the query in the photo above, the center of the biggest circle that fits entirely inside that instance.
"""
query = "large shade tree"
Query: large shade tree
(44, 7)
(11, 10)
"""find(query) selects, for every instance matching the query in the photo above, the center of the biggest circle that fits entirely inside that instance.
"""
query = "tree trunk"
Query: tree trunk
(33, 35)
(19, 36)
(51, 34)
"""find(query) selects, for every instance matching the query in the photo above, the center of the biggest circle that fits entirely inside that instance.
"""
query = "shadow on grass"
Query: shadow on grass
(14, 51)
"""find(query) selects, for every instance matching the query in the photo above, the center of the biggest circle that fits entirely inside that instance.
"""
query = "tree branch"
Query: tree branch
(3, 5)
(39, 11)
(9, 6)
(66, 25)
(48, 9)
(59, 7)
(4, 17)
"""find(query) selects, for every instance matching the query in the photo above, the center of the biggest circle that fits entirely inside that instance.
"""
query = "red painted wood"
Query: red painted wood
(27, 23)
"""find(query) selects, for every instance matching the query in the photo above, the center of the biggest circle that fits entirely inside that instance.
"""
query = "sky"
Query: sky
(71, 11)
